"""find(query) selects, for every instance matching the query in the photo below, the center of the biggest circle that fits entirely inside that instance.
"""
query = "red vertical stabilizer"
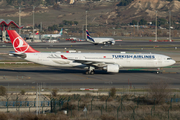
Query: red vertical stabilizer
(19, 43)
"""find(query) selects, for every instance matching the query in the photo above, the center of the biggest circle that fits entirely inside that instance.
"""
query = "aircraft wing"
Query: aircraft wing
(89, 62)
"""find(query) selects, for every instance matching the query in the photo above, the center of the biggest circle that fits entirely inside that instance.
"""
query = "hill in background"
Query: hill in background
(146, 9)
(101, 15)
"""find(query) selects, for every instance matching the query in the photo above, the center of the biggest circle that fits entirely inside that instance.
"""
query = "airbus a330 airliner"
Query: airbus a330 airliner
(111, 62)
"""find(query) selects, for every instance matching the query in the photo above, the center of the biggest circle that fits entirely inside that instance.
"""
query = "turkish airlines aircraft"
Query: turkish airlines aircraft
(96, 40)
(111, 62)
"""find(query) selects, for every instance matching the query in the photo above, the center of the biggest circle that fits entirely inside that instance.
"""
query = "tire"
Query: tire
(92, 72)
(87, 72)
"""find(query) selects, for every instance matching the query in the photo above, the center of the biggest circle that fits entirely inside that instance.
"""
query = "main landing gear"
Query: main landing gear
(90, 71)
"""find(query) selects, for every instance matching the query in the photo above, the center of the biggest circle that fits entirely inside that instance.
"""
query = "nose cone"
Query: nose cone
(170, 62)
(173, 62)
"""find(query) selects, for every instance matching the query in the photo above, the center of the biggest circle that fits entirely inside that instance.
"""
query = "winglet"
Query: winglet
(63, 57)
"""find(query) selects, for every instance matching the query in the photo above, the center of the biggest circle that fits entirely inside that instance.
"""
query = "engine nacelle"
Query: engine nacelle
(113, 42)
(112, 68)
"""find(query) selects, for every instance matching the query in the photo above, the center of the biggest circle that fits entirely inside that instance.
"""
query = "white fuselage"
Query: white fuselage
(45, 36)
(122, 59)
(50, 35)
(102, 40)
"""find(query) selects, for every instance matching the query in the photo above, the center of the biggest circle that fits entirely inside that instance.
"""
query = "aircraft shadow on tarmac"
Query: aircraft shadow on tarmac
(67, 71)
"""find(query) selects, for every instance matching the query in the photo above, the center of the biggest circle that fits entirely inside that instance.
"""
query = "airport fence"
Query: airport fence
(119, 107)
(24, 103)
(52, 103)
(133, 107)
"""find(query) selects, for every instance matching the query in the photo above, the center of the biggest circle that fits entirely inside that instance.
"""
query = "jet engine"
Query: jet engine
(113, 42)
(113, 68)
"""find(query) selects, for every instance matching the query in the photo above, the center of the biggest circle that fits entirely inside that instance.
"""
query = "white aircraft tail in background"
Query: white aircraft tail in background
(61, 32)
(111, 62)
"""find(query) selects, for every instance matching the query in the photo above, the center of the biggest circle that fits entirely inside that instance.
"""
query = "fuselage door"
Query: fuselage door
(159, 61)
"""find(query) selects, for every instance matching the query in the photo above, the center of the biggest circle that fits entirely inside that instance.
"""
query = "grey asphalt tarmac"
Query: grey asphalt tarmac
(82, 44)
(50, 77)
(76, 78)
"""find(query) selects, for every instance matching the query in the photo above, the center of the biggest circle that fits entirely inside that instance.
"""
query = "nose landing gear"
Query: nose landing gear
(158, 71)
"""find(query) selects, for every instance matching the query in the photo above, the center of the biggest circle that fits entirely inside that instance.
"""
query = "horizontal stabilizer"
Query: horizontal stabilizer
(20, 54)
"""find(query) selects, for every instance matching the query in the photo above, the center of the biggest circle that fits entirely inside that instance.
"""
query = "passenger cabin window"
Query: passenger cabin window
(169, 58)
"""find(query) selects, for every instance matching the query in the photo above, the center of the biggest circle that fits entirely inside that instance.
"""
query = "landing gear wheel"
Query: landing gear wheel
(87, 72)
(92, 72)
(158, 71)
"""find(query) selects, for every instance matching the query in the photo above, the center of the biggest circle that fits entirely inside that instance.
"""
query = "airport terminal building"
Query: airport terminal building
(7, 25)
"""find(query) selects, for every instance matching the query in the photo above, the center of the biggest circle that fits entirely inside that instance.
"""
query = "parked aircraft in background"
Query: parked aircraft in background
(52, 35)
(46, 36)
(37, 33)
(111, 62)
(97, 40)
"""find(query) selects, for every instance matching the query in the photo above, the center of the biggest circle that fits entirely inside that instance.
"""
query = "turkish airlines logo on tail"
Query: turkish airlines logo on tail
(20, 45)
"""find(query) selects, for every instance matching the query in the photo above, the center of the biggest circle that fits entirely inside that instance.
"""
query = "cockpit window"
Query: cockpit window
(169, 58)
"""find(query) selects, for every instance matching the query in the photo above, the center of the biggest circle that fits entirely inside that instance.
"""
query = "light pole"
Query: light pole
(33, 22)
(156, 27)
(86, 23)
(82, 31)
(41, 27)
(169, 25)
(19, 19)
(37, 106)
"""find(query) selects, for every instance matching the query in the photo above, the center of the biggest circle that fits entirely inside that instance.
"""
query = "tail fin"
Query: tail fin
(61, 32)
(19, 44)
(37, 32)
(88, 36)
(87, 32)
